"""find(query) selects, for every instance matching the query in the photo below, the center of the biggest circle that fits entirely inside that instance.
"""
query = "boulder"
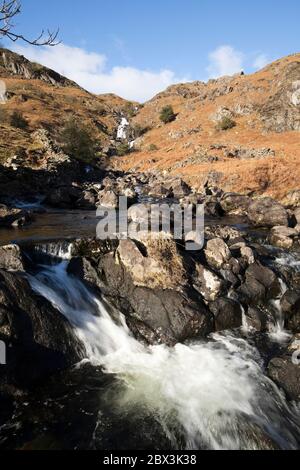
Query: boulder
(217, 253)
(108, 199)
(63, 196)
(42, 340)
(256, 319)
(286, 375)
(207, 283)
(159, 267)
(290, 304)
(282, 237)
(267, 278)
(155, 311)
(266, 212)
(87, 200)
(10, 217)
(11, 258)
(235, 204)
(227, 314)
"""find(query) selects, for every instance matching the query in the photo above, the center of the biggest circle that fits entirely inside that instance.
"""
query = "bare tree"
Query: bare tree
(9, 9)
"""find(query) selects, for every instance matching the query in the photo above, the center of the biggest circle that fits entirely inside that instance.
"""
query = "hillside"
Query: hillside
(47, 100)
(260, 154)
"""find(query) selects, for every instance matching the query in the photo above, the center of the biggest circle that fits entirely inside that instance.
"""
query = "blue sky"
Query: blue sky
(136, 48)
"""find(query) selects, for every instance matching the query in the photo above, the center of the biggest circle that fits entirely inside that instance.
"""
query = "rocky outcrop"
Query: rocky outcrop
(16, 65)
(266, 212)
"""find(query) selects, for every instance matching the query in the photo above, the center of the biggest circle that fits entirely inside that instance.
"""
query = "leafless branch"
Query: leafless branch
(9, 9)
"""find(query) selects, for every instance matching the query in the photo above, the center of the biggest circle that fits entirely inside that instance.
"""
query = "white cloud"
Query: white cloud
(261, 61)
(90, 71)
(225, 60)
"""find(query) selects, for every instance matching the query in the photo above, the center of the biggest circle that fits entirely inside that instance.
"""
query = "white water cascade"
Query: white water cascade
(215, 391)
(121, 132)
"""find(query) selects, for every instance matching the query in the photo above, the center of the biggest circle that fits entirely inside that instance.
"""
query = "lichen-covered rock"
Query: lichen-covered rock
(217, 253)
(11, 258)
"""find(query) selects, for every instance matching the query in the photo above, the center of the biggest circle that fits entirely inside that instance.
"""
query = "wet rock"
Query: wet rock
(227, 314)
(217, 253)
(155, 313)
(256, 319)
(82, 268)
(235, 204)
(207, 283)
(286, 374)
(290, 304)
(267, 212)
(11, 258)
(42, 340)
(212, 208)
(267, 278)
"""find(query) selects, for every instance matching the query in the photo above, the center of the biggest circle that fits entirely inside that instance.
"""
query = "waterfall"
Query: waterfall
(215, 390)
(121, 132)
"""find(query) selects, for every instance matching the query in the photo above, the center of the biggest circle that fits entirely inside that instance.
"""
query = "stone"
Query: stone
(227, 314)
(108, 199)
(235, 204)
(217, 253)
(87, 200)
(41, 338)
(266, 212)
(282, 237)
(11, 258)
(208, 284)
(290, 304)
(286, 375)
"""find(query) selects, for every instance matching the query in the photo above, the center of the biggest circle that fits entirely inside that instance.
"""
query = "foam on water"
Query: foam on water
(215, 392)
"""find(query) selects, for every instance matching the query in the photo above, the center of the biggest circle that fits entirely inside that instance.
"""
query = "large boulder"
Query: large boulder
(217, 253)
(235, 204)
(42, 340)
(158, 306)
(286, 374)
(283, 237)
(11, 258)
(227, 314)
(64, 196)
(160, 267)
(87, 200)
(266, 212)
(260, 285)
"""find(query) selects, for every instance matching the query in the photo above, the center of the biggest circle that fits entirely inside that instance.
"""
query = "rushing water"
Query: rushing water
(213, 393)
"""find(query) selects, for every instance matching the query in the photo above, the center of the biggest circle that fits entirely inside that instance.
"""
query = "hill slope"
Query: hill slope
(260, 154)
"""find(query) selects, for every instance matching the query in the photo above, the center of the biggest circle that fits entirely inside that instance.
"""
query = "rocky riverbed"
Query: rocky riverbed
(131, 332)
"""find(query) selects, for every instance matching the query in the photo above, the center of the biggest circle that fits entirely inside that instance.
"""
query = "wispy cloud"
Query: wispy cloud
(90, 70)
(260, 61)
(225, 60)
